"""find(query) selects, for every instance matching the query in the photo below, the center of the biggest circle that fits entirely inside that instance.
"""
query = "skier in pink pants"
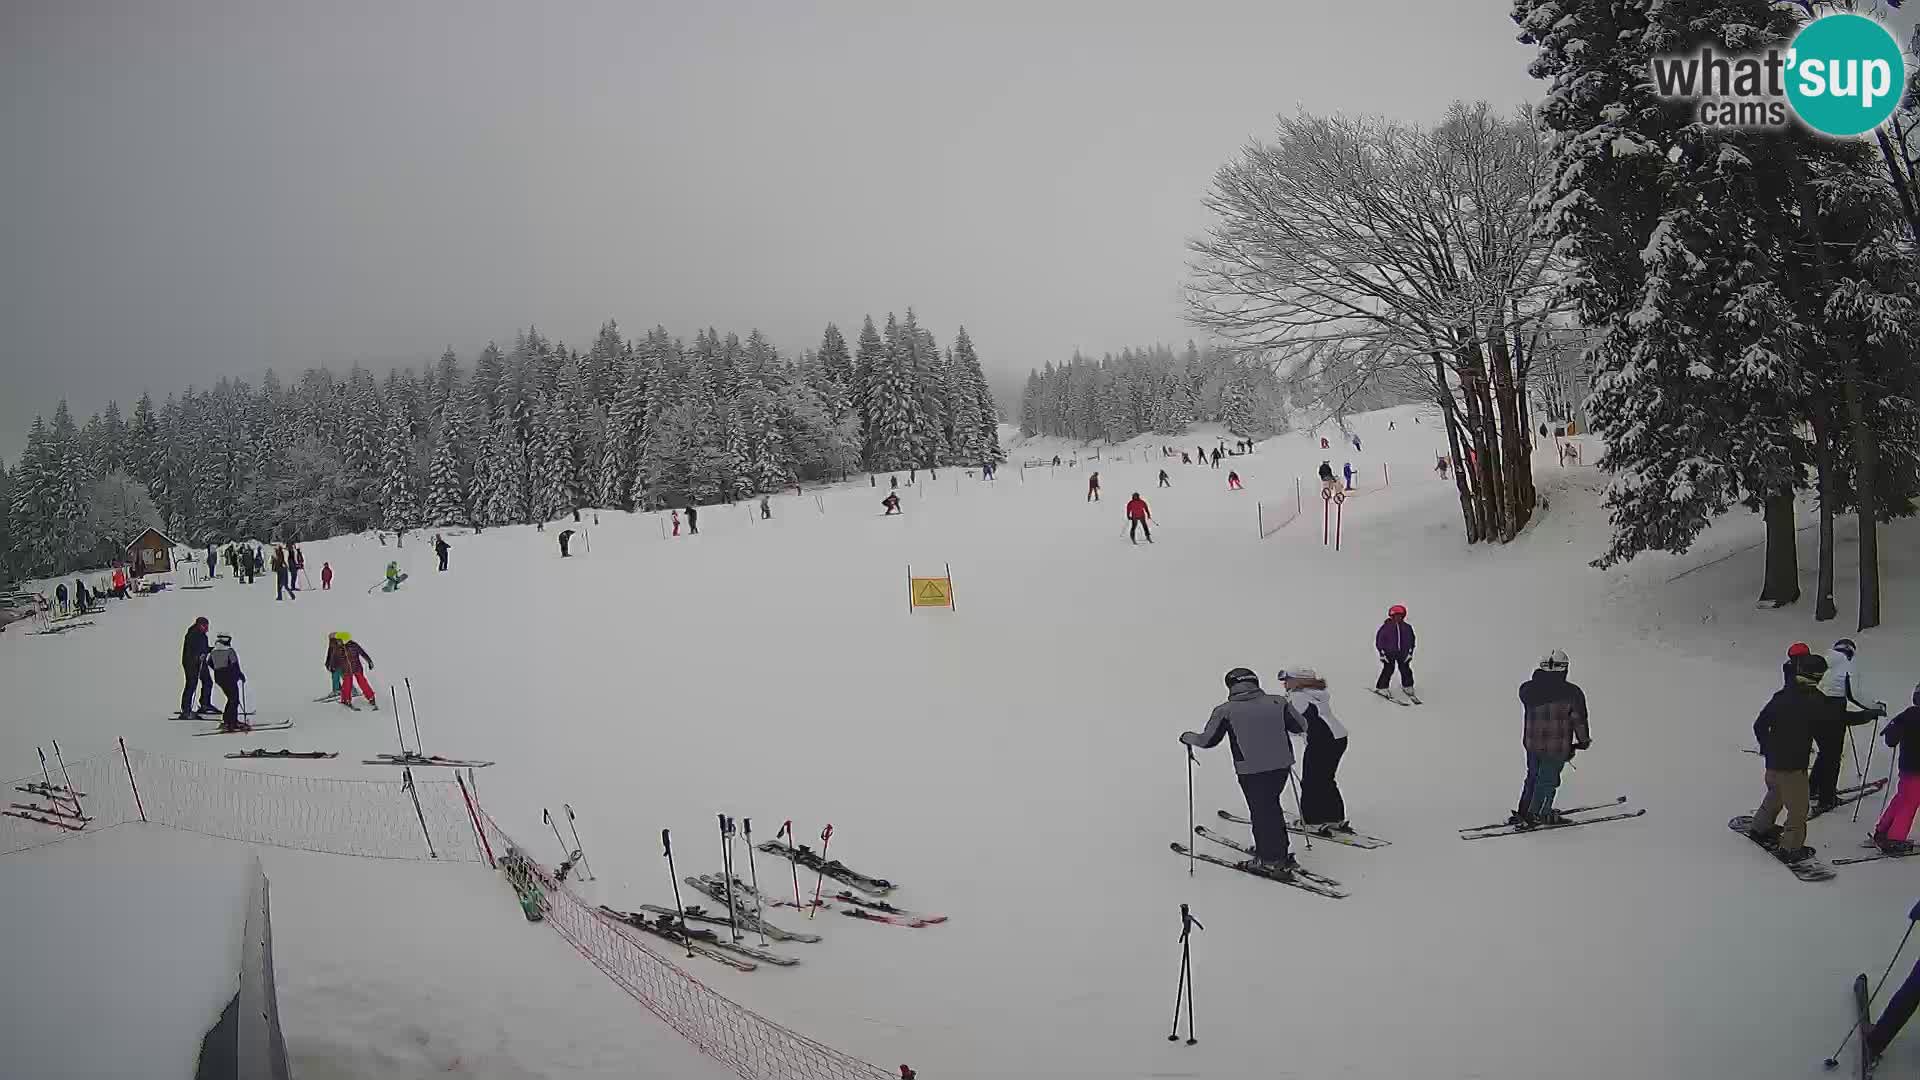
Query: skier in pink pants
(1903, 731)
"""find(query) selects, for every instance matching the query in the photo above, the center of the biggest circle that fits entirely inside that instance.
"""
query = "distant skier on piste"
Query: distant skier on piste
(394, 578)
(1394, 642)
(326, 576)
(1233, 480)
(1837, 685)
(1553, 728)
(225, 664)
(1257, 726)
(1164, 481)
(1785, 731)
(1138, 517)
(1093, 488)
(1896, 822)
(891, 502)
(566, 537)
(766, 509)
(1322, 808)
(440, 548)
(193, 661)
(693, 521)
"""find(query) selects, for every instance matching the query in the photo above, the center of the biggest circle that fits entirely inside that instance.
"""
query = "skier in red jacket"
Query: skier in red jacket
(1138, 517)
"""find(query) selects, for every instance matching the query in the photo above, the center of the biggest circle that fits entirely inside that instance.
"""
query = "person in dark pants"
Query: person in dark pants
(1164, 482)
(1881, 1033)
(693, 521)
(226, 671)
(766, 509)
(1321, 806)
(279, 573)
(1257, 725)
(565, 536)
(193, 660)
(1830, 735)
(1394, 642)
(1553, 726)
(440, 548)
(1138, 517)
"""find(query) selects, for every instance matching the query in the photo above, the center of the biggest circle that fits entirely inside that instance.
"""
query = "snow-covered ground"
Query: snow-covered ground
(1014, 765)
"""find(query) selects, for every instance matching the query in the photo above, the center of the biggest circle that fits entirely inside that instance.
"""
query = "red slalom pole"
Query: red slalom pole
(1339, 514)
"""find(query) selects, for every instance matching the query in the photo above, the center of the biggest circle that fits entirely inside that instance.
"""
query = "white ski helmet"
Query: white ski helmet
(1554, 661)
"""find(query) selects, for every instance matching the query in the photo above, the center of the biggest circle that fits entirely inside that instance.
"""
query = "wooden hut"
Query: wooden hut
(150, 553)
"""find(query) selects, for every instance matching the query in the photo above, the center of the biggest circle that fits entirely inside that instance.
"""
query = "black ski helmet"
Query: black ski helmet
(1845, 645)
(1810, 666)
(1240, 675)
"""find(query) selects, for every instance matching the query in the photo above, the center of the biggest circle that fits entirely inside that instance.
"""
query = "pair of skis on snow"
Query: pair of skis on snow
(1298, 877)
(1506, 828)
(1318, 832)
(1412, 698)
(748, 905)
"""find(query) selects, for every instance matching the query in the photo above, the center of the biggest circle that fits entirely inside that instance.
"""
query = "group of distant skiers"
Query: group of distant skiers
(1802, 734)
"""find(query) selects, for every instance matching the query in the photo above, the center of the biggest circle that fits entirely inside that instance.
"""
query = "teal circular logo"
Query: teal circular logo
(1846, 75)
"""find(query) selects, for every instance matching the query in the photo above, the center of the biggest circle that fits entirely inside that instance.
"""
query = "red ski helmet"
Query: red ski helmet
(1798, 648)
(1397, 610)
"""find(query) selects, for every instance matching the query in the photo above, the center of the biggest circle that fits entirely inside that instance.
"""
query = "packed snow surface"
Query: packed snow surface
(1013, 763)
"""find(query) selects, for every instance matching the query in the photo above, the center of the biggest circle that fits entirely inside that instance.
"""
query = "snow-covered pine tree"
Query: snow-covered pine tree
(399, 491)
(870, 361)
(890, 405)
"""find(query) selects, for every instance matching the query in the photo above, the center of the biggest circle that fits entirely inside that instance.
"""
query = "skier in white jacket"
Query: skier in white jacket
(1321, 807)
(1829, 737)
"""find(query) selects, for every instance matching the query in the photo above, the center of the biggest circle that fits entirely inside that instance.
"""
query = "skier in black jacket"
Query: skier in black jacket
(1785, 731)
(193, 660)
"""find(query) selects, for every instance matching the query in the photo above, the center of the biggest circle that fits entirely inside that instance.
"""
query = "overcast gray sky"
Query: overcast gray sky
(193, 189)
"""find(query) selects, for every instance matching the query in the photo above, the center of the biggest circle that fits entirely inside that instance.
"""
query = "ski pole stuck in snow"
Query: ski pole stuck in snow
(666, 848)
(585, 866)
(1184, 988)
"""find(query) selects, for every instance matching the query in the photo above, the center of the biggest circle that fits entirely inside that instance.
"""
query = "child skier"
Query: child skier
(1093, 488)
(394, 578)
(1321, 807)
(336, 663)
(1233, 480)
(326, 576)
(354, 664)
(891, 502)
(1394, 642)
(1553, 728)
(1903, 731)
(1138, 517)
(1258, 724)
(676, 523)
(225, 664)
(1347, 470)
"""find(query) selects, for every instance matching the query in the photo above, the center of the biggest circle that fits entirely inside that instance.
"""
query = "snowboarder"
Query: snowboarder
(1785, 730)
(1093, 487)
(1394, 642)
(891, 502)
(1554, 728)
(326, 576)
(1903, 731)
(766, 509)
(394, 578)
(1321, 807)
(193, 660)
(1164, 482)
(676, 523)
(440, 548)
(354, 665)
(1138, 517)
(566, 535)
(1347, 471)
(1838, 687)
(693, 521)
(225, 664)
(1233, 480)
(1256, 724)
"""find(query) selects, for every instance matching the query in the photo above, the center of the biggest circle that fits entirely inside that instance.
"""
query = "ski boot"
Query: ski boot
(1550, 816)
(1890, 846)
(1521, 820)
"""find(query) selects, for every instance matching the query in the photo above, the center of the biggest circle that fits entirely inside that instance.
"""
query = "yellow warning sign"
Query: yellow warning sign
(931, 592)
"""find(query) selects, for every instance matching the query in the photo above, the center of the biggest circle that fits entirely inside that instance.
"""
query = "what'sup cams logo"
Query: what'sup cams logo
(1842, 75)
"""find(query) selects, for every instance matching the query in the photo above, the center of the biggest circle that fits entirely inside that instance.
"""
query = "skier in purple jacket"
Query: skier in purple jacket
(1394, 642)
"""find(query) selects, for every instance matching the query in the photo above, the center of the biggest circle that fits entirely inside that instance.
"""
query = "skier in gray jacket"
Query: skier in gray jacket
(1256, 725)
